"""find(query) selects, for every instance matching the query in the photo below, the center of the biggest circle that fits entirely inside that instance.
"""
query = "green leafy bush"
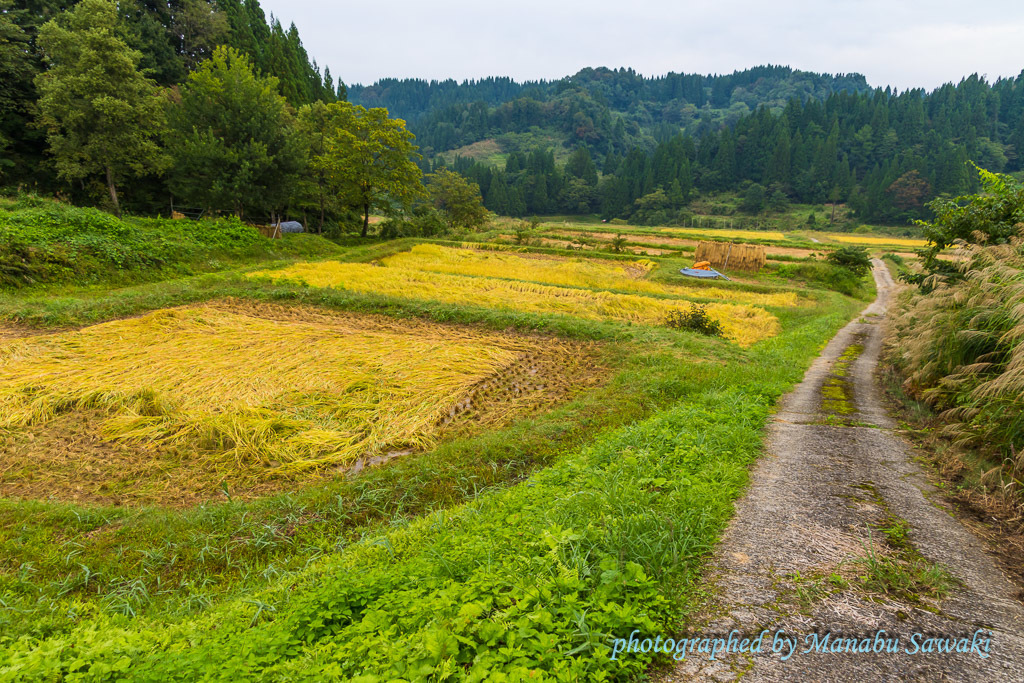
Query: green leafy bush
(831, 276)
(423, 222)
(695, 319)
(854, 258)
(895, 258)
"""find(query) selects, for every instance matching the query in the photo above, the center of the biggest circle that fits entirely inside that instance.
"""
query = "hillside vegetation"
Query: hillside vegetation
(597, 106)
(45, 241)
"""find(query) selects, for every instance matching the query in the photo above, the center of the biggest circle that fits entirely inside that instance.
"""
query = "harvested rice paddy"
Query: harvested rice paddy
(743, 324)
(552, 270)
(589, 273)
(789, 249)
(230, 390)
(728, 234)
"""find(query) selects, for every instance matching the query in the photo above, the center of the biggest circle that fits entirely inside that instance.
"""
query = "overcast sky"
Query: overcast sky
(902, 43)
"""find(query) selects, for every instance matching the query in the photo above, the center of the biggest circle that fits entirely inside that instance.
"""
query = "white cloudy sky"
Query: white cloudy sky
(902, 43)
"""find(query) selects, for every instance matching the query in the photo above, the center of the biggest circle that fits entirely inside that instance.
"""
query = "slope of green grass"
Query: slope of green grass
(47, 242)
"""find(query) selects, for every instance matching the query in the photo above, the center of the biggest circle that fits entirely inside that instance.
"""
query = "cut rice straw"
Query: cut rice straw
(292, 392)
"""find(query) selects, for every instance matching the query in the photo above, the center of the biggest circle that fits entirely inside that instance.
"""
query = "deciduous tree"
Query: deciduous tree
(100, 113)
(909, 191)
(372, 159)
(319, 123)
(992, 217)
(456, 198)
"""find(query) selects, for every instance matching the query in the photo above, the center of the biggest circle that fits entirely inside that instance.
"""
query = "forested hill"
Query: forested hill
(607, 141)
(594, 105)
(631, 147)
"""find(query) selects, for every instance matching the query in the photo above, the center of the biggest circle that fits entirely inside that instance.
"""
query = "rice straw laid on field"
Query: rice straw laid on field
(729, 234)
(628, 276)
(298, 390)
(742, 324)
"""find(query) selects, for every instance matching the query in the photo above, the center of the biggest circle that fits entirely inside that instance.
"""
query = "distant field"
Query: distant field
(485, 151)
(794, 243)
(729, 234)
(786, 249)
(590, 273)
(868, 240)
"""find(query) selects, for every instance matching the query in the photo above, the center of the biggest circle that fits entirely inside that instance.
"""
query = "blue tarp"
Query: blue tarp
(707, 274)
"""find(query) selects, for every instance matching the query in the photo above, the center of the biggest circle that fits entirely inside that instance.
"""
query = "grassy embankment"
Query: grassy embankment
(43, 241)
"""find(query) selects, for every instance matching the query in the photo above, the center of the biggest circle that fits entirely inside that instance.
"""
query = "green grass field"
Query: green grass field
(518, 543)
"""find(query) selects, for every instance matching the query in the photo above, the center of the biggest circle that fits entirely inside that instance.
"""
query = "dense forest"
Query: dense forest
(602, 141)
(171, 40)
(640, 148)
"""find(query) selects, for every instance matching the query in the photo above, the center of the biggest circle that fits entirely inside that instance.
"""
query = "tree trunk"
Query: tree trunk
(366, 219)
(113, 191)
(320, 231)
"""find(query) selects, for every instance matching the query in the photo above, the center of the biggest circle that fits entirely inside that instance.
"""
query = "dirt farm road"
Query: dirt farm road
(836, 487)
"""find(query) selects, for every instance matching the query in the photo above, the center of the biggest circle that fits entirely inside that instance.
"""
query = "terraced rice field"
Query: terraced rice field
(409, 277)
(784, 249)
(554, 270)
(728, 234)
(234, 383)
(589, 273)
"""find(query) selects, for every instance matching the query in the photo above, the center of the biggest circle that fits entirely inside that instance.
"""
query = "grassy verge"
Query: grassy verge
(955, 348)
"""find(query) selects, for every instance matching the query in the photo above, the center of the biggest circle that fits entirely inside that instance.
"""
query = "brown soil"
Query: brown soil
(10, 332)
(646, 239)
(566, 244)
(68, 459)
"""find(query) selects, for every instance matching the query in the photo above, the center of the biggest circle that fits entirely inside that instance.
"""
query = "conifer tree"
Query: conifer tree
(581, 166)
(233, 139)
